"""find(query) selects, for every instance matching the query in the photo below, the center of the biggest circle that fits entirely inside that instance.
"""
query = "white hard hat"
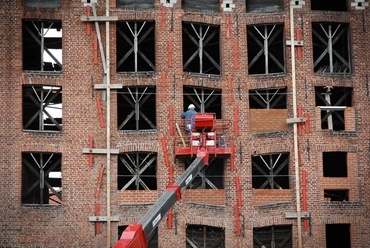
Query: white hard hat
(191, 106)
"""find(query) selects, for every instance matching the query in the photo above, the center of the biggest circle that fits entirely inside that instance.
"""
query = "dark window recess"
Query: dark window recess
(152, 241)
(335, 164)
(334, 5)
(42, 45)
(135, 4)
(331, 48)
(273, 98)
(136, 108)
(270, 171)
(204, 99)
(42, 108)
(205, 236)
(201, 5)
(338, 235)
(137, 171)
(135, 46)
(42, 4)
(337, 194)
(266, 49)
(333, 101)
(256, 6)
(272, 236)
(210, 177)
(201, 48)
(41, 178)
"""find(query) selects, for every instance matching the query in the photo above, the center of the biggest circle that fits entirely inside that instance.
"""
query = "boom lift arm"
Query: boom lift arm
(136, 235)
(202, 143)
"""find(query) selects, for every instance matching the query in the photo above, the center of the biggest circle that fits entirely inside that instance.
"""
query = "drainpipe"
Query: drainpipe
(295, 129)
(108, 125)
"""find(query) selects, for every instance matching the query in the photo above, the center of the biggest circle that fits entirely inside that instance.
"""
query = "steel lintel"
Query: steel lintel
(99, 151)
(103, 218)
(293, 215)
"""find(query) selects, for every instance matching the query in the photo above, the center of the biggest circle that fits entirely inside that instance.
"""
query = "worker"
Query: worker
(189, 117)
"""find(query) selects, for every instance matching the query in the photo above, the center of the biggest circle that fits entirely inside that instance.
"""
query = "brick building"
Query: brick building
(69, 132)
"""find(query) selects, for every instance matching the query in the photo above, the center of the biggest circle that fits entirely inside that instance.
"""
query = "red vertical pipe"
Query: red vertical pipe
(228, 27)
(299, 48)
(300, 114)
(95, 49)
(88, 24)
(165, 152)
(97, 223)
(307, 123)
(169, 219)
(170, 172)
(304, 196)
(229, 84)
(236, 121)
(100, 112)
(163, 16)
(91, 140)
(238, 190)
(163, 84)
(171, 120)
(232, 156)
(98, 185)
(236, 54)
(237, 220)
(170, 52)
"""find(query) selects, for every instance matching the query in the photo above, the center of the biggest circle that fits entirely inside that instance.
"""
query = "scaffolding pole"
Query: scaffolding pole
(295, 129)
(107, 64)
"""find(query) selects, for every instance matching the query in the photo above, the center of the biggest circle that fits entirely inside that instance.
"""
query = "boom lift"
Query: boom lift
(202, 143)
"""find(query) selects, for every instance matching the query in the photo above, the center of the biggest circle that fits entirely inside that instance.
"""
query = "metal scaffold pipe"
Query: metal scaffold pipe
(108, 125)
(295, 130)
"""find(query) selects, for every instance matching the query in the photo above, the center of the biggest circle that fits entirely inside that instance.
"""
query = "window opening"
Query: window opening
(210, 177)
(135, 4)
(205, 100)
(135, 46)
(270, 171)
(258, 6)
(265, 49)
(42, 4)
(330, 48)
(273, 98)
(136, 108)
(42, 45)
(198, 236)
(137, 171)
(42, 108)
(335, 164)
(336, 194)
(338, 235)
(41, 178)
(201, 48)
(212, 6)
(272, 236)
(152, 241)
(332, 102)
(334, 5)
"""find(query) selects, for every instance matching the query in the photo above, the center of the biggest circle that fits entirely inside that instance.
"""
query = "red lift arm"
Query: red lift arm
(137, 235)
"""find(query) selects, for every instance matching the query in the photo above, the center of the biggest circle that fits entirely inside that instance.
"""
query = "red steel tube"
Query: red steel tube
(300, 114)
(236, 121)
(237, 220)
(171, 121)
(229, 84)
(232, 156)
(228, 27)
(236, 54)
(299, 48)
(169, 219)
(170, 52)
(100, 178)
(88, 24)
(165, 152)
(307, 123)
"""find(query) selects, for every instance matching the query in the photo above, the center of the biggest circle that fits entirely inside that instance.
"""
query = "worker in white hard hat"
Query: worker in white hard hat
(189, 116)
